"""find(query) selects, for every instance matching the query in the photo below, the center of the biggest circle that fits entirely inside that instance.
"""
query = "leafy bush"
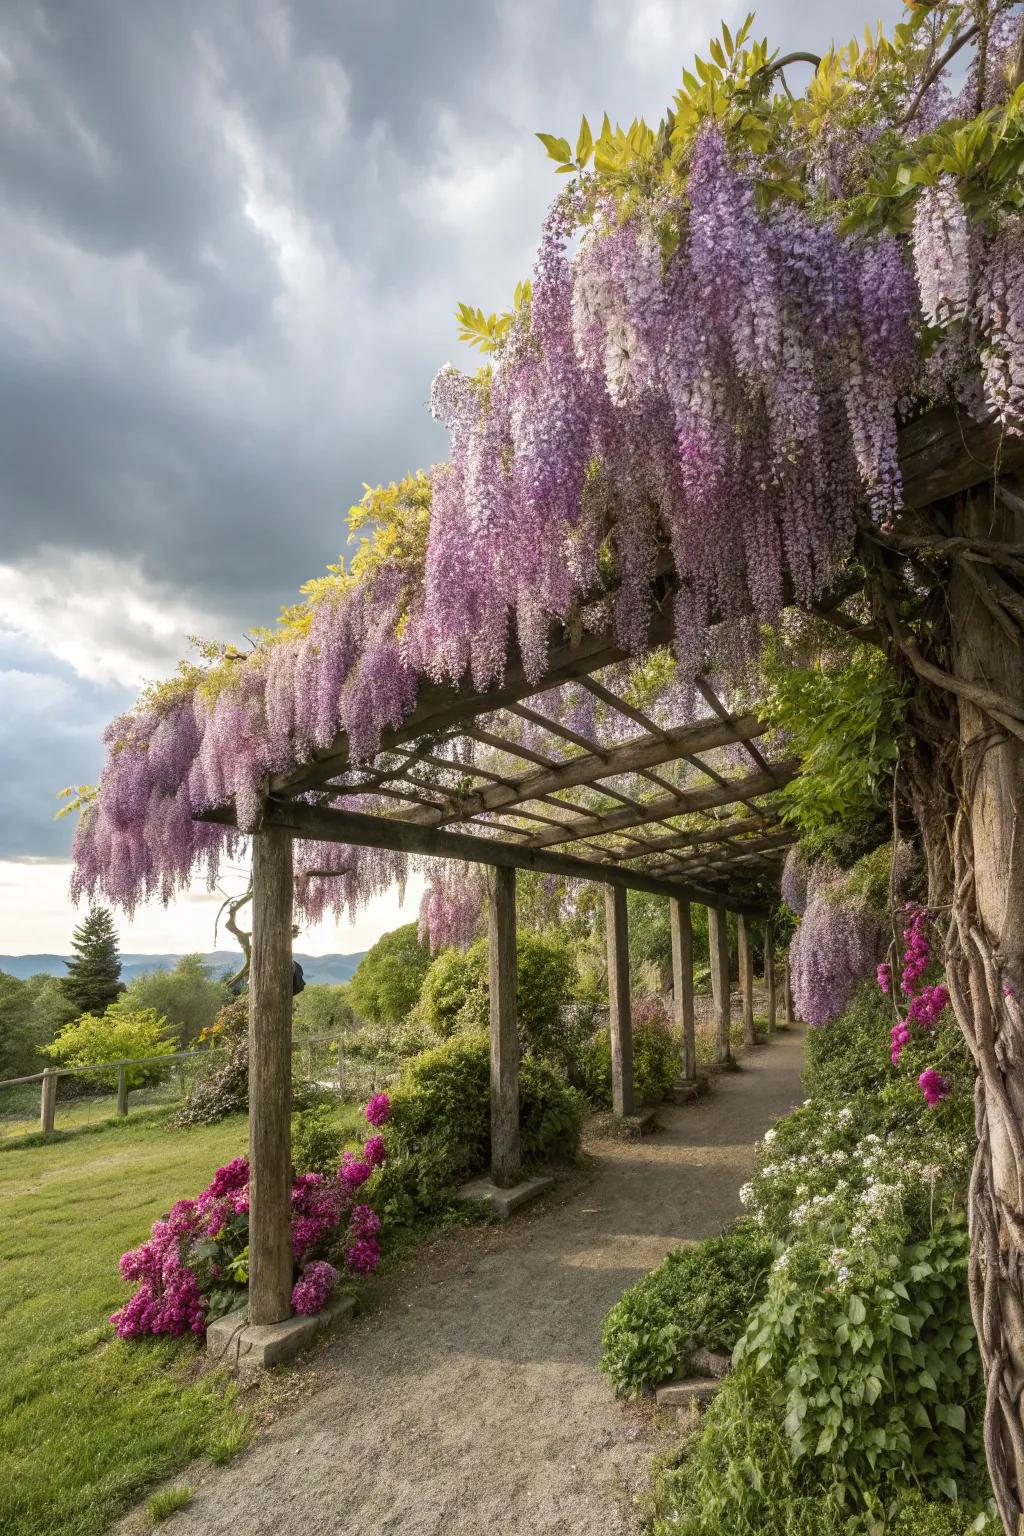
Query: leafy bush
(388, 979)
(439, 1132)
(701, 1295)
(857, 1374)
(317, 1140)
(187, 997)
(657, 1051)
(122, 1033)
(220, 1084)
(455, 994)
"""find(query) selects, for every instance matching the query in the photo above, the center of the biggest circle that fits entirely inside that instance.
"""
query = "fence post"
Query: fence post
(48, 1100)
(122, 1089)
(341, 1067)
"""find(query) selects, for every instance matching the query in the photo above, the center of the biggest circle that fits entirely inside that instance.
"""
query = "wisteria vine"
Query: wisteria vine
(697, 376)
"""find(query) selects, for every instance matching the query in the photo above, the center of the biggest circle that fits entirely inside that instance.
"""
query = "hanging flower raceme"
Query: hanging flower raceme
(924, 1002)
(699, 378)
(451, 906)
(834, 949)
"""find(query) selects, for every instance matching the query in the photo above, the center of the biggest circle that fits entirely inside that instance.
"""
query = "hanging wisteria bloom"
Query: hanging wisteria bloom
(704, 383)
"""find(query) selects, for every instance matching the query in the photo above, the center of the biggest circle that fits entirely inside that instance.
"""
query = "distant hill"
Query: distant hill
(315, 968)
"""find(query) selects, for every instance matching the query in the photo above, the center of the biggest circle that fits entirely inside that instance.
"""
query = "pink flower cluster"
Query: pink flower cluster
(934, 1086)
(313, 1286)
(378, 1110)
(925, 1004)
(190, 1250)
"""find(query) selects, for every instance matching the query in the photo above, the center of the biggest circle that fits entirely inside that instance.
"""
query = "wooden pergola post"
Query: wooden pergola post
(270, 1079)
(620, 1018)
(769, 978)
(718, 933)
(501, 973)
(746, 961)
(681, 928)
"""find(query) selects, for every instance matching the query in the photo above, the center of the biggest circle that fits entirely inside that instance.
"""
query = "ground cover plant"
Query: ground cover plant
(856, 1401)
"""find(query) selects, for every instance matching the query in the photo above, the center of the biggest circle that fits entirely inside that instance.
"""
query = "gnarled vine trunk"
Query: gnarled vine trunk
(985, 972)
(963, 773)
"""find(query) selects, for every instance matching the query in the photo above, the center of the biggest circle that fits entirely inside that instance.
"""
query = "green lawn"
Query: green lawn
(87, 1423)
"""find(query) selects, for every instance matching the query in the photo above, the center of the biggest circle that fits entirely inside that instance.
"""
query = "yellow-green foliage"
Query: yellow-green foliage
(121, 1033)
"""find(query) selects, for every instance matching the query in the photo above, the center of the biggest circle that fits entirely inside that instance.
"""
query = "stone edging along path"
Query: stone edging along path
(467, 1401)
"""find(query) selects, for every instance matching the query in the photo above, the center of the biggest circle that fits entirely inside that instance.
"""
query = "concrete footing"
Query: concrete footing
(685, 1090)
(682, 1394)
(235, 1342)
(504, 1201)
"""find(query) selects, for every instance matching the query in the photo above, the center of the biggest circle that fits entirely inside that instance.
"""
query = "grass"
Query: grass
(88, 1423)
(167, 1502)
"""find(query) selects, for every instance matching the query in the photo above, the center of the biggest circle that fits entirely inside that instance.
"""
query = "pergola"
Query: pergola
(646, 809)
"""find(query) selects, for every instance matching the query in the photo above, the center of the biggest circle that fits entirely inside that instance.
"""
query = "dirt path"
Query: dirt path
(468, 1401)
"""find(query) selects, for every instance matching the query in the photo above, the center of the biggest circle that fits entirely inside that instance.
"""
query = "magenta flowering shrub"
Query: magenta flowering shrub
(194, 1267)
(378, 1110)
(924, 1002)
(313, 1286)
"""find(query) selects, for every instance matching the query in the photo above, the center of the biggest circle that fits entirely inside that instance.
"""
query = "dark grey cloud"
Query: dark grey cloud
(232, 235)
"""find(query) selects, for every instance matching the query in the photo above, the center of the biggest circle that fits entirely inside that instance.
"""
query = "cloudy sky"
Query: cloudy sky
(232, 236)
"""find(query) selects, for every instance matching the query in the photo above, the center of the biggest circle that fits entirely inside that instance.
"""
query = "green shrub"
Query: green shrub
(120, 1033)
(220, 1078)
(439, 1130)
(387, 981)
(700, 1295)
(657, 1051)
(455, 994)
(317, 1140)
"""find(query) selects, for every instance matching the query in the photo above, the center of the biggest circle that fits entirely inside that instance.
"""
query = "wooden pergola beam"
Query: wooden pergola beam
(721, 834)
(689, 800)
(588, 769)
(325, 824)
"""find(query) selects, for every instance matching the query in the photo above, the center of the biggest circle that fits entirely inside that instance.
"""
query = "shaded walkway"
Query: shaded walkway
(468, 1402)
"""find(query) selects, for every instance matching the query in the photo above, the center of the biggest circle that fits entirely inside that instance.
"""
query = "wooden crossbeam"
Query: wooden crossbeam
(325, 824)
(589, 770)
(555, 727)
(613, 701)
(732, 852)
(691, 800)
(678, 840)
(711, 698)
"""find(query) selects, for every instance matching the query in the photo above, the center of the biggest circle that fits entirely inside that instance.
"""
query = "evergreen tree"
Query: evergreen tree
(92, 981)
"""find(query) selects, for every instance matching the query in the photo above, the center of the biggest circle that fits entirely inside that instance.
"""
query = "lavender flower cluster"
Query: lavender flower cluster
(835, 948)
(732, 395)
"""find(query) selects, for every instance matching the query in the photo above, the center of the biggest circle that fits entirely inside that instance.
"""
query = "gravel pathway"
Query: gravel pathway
(467, 1400)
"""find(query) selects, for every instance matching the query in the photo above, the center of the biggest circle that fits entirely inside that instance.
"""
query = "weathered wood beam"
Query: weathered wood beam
(614, 701)
(681, 930)
(722, 833)
(620, 1020)
(769, 978)
(325, 824)
(945, 452)
(501, 986)
(587, 771)
(711, 698)
(270, 1078)
(730, 851)
(690, 800)
(555, 728)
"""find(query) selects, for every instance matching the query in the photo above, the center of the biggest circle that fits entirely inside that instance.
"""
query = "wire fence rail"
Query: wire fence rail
(73, 1096)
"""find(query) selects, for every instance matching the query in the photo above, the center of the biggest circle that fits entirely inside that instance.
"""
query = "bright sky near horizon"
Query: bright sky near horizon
(232, 237)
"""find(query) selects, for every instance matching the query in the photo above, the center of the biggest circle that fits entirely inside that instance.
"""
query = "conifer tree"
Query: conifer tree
(93, 976)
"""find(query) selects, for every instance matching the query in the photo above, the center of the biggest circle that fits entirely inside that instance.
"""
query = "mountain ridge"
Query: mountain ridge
(330, 969)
